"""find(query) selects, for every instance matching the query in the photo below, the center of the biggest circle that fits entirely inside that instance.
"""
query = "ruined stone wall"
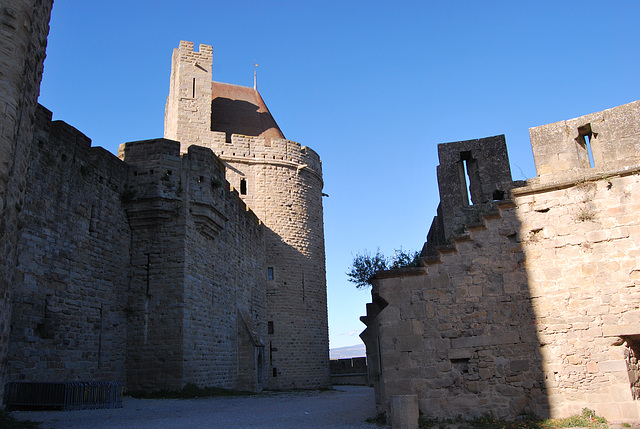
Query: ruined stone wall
(69, 319)
(536, 313)
(536, 308)
(23, 39)
(460, 333)
(282, 183)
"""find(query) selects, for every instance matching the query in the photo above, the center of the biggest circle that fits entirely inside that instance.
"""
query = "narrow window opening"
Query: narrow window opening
(100, 337)
(193, 89)
(270, 327)
(275, 372)
(243, 187)
(585, 139)
(465, 157)
(93, 221)
(270, 273)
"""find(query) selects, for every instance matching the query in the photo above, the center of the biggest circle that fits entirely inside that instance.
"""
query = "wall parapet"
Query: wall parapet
(601, 141)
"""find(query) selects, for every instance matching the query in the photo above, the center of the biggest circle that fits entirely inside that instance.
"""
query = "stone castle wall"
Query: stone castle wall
(146, 269)
(197, 260)
(23, 39)
(150, 269)
(286, 193)
(69, 319)
(582, 248)
(535, 308)
(282, 183)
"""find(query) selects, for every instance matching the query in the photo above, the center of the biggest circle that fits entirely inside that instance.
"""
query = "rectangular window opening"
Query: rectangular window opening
(243, 187)
(193, 89)
(270, 273)
(275, 372)
(465, 157)
(585, 137)
(270, 327)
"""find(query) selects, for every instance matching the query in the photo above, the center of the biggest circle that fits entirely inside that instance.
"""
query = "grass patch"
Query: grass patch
(7, 421)
(587, 419)
(190, 391)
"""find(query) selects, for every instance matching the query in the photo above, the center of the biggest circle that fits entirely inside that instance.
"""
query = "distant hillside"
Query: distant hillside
(348, 352)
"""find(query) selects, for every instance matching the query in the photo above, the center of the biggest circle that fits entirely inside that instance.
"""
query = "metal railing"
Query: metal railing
(74, 395)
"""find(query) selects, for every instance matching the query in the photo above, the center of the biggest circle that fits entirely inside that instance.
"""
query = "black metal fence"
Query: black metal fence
(75, 395)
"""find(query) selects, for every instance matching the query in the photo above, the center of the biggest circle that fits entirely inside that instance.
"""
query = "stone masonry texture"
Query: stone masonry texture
(534, 308)
(282, 184)
(194, 261)
(24, 26)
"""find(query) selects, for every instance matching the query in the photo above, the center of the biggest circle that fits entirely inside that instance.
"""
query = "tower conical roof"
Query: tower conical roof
(239, 109)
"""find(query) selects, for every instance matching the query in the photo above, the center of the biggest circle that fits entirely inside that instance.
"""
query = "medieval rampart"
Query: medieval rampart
(148, 271)
(533, 309)
(69, 321)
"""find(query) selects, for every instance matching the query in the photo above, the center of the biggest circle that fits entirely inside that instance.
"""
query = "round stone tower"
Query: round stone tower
(282, 183)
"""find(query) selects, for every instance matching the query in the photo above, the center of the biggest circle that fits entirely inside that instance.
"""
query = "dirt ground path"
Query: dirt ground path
(343, 407)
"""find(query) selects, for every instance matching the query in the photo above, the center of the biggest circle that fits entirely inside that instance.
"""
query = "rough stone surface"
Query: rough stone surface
(282, 183)
(534, 309)
(404, 412)
(149, 268)
(24, 26)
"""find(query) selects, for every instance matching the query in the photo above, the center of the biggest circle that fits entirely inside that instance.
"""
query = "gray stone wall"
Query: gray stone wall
(561, 150)
(197, 267)
(69, 320)
(156, 213)
(283, 183)
(533, 309)
(460, 333)
(225, 321)
(150, 269)
(23, 39)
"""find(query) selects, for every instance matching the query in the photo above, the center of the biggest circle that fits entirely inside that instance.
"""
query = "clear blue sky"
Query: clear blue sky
(372, 86)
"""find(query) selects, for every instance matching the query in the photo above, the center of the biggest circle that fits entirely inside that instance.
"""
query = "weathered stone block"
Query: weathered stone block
(404, 411)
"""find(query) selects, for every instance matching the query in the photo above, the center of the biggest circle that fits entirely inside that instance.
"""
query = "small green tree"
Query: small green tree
(404, 259)
(365, 265)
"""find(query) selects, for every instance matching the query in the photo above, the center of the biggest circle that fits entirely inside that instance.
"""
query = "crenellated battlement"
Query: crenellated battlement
(203, 57)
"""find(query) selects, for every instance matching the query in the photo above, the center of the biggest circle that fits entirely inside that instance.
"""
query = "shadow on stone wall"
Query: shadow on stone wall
(460, 332)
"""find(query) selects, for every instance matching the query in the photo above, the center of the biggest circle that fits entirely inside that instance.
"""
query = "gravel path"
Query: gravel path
(343, 407)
